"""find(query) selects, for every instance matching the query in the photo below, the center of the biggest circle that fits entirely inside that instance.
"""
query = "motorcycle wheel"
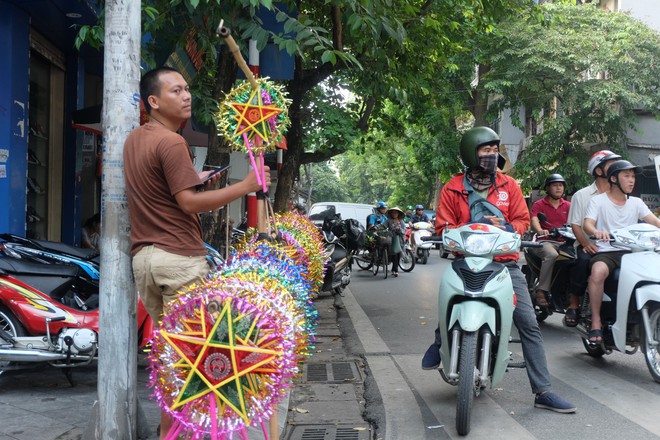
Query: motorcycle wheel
(443, 253)
(407, 262)
(12, 326)
(425, 256)
(651, 354)
(362, 262)
(467, 375)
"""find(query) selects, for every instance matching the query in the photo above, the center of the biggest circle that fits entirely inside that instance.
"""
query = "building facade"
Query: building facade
(49, 180)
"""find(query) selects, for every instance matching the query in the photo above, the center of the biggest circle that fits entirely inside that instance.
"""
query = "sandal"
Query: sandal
(541, 300)
(571, 318)
(595, 336)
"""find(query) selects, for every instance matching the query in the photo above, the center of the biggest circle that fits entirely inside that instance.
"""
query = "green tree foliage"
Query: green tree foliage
(581, 75)
(379, 50)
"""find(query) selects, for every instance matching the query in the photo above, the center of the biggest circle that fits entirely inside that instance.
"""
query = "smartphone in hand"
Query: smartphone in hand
(215, 171)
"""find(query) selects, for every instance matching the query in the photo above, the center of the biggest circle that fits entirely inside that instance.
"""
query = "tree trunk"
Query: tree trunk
(117, 365)
(295, 149)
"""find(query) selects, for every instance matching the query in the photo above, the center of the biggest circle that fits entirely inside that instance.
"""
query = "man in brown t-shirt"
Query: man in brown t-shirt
(163, 197)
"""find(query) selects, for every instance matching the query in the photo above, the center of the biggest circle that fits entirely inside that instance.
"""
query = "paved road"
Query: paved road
(394, 320)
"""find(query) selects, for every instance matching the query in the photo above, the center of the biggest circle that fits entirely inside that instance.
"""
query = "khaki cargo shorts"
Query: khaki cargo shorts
(159, 274)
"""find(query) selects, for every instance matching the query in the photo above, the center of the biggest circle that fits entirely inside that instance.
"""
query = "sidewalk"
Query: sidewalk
(325, 404)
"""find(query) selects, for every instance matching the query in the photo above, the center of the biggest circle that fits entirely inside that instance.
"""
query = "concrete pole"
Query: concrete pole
(117, 366)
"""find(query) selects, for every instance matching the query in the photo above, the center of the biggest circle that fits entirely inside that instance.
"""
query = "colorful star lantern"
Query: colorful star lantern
(254, 120)
(221, 360)
(267, 264)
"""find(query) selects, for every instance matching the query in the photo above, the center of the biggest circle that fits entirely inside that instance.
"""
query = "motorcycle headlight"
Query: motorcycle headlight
(479, 244)
(644, 239)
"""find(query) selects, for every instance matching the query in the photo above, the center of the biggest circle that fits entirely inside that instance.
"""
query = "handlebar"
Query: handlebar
(531, 244)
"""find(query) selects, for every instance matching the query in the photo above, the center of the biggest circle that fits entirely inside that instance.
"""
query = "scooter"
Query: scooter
(558, 295)
(422, 248)
(630, 311)
(338, 267)
(49, 314)
(475, 312)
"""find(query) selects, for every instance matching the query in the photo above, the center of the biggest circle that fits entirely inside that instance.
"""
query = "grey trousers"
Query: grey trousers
(548, 255)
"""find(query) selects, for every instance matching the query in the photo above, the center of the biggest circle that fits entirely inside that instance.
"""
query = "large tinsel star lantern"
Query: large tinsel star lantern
(220, 361)
(253, 120)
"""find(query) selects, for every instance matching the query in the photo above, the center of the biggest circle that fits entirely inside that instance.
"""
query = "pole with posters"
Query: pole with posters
(115, 413)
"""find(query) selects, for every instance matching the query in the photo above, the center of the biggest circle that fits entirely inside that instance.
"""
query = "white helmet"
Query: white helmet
(599, 158)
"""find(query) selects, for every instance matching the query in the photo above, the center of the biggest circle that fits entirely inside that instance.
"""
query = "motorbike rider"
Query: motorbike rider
(555, 208)
(378, 216)
(408, 214)
(608, 211)
(418, 216)
(497, 200)
(597, 167)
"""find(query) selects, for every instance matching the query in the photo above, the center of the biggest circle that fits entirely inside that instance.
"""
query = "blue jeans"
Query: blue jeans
(531, 339)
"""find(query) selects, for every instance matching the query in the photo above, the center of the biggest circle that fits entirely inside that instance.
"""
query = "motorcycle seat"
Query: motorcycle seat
(63, 248)
(13, 266)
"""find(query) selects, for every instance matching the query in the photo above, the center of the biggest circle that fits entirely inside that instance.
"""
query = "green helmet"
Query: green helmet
(473, 139)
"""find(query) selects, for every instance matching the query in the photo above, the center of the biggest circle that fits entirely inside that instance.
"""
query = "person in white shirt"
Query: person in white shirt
(608, 211)
(596, 167)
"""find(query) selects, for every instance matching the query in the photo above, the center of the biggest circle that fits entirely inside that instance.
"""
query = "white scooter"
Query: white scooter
(630, 312)
(475, 312)
(422, 248)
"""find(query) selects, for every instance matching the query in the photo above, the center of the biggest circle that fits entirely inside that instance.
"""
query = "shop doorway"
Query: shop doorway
(45, 143)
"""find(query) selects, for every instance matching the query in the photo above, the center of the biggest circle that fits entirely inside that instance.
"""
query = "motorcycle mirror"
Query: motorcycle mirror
(542, 217)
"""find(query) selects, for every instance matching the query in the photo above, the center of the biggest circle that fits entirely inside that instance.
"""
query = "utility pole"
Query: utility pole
(115, 413)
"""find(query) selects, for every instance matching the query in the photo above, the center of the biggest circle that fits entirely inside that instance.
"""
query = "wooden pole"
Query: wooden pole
(117, 366)
(262, 217)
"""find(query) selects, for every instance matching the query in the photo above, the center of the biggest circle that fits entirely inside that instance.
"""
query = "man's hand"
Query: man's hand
(495, 221)
(251, 179)
(602, 235)
(590, 249)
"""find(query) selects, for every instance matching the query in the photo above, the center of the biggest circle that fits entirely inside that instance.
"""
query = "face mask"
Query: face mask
(488, 163)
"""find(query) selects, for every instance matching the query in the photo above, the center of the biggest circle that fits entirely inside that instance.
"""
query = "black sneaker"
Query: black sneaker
(553, 402)
(431, 359)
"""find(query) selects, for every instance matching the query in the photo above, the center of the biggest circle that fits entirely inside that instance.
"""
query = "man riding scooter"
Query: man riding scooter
(418, 216)
(555, 210)
(484, 195)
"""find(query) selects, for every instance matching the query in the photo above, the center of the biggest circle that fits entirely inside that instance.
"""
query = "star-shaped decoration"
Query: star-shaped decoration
(254, 119)
(225, 356)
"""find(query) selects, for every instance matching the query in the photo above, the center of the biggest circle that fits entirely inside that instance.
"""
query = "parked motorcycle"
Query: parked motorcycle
(475, 312)
(342, 238)
(49, 314)
(558, 295)
(50, 252)
(630, 312)
(422, 248)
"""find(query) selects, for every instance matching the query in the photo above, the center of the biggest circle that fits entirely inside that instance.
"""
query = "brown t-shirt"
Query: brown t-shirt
(157, 165)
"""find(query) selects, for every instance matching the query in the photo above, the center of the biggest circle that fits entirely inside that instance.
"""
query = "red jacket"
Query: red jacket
(453, 210)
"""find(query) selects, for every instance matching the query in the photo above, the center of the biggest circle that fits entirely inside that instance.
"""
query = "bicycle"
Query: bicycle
(377, 254)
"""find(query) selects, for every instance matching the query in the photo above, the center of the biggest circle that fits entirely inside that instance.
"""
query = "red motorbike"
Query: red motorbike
(49, 314)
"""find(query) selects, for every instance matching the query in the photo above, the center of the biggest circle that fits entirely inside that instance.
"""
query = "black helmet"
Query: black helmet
(554, 178)
(618, 166)
(473, 139)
